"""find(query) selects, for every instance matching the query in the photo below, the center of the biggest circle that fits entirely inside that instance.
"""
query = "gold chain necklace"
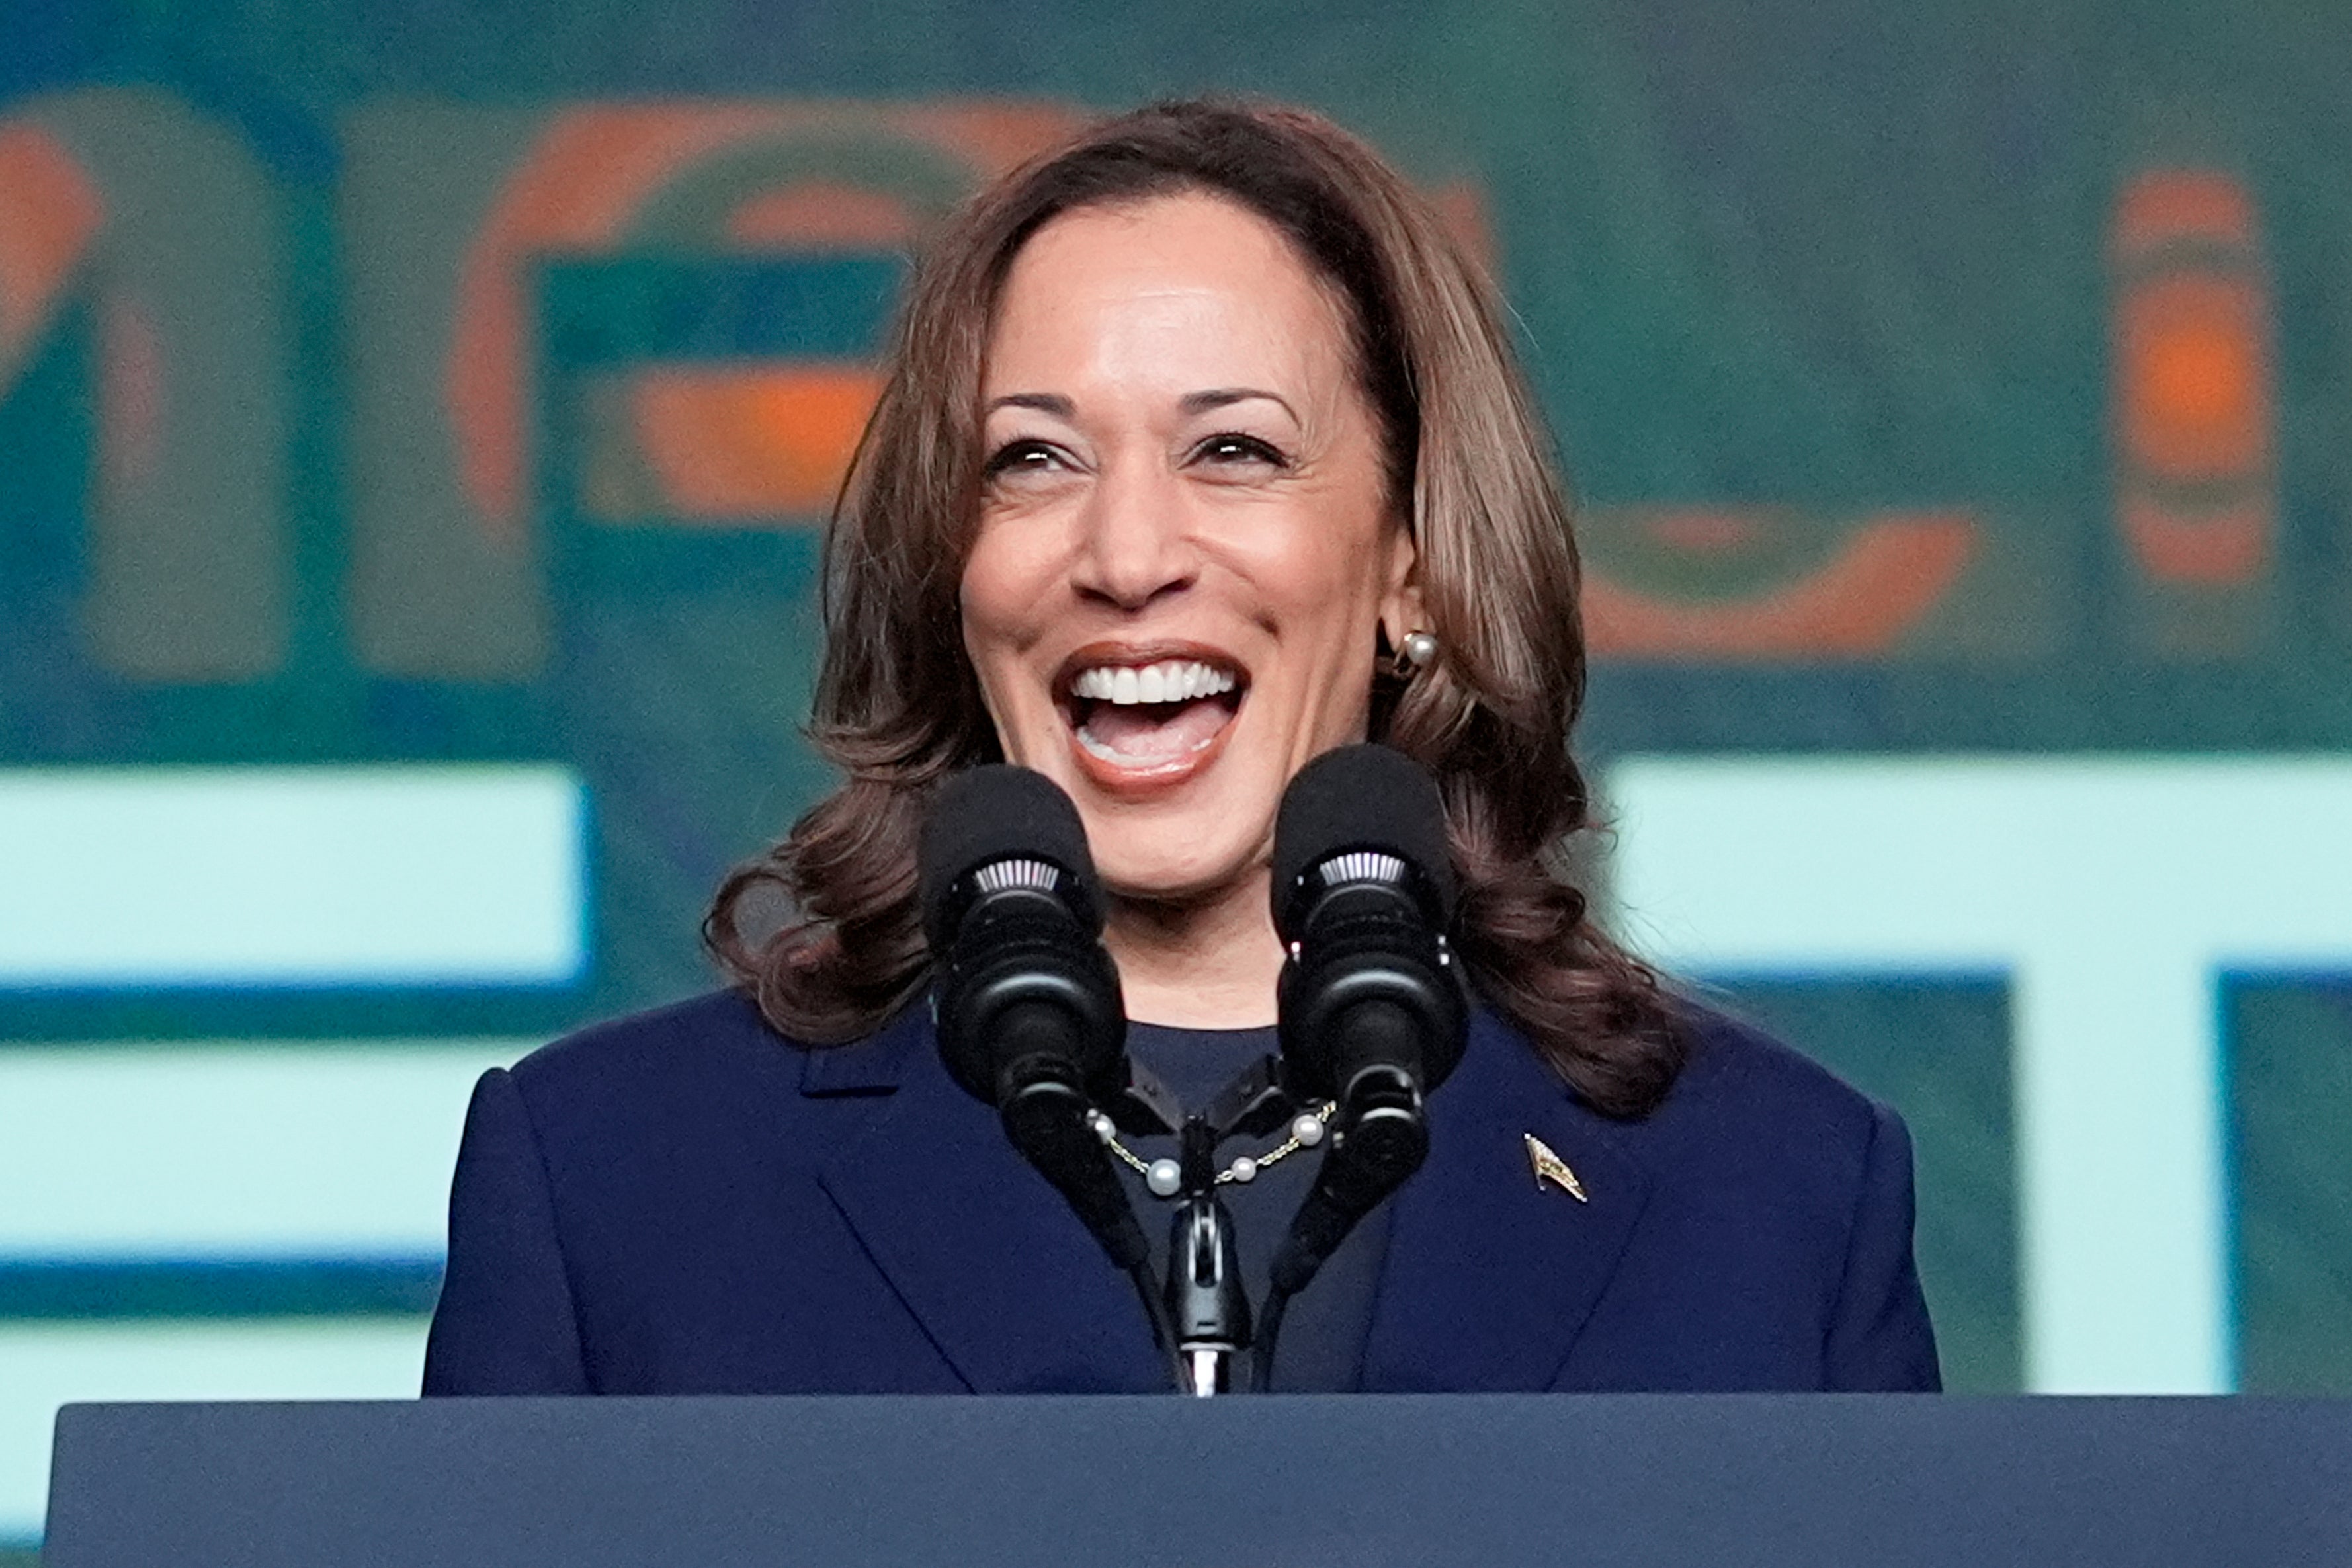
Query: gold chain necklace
(1165, 1177)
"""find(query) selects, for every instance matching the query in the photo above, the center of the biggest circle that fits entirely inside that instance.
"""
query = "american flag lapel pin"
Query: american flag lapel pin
(1550, 1167)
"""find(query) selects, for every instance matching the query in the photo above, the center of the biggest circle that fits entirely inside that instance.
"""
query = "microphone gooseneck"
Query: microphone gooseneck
(1029, 1018)
(1372, 1007)
(1207, 1304)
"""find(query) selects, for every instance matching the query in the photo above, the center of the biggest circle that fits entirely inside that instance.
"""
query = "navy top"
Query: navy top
(685, 1202)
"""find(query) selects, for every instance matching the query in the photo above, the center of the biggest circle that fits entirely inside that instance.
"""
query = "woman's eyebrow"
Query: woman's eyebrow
(1220, 397)
(1054, 404)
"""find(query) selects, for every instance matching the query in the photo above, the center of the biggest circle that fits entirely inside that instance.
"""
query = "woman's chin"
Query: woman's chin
(1173, 875)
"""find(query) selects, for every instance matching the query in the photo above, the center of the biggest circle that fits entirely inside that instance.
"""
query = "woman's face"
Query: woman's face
(1185, 547)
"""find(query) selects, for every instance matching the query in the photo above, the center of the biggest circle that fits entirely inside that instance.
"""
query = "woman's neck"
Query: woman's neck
(1198, 966)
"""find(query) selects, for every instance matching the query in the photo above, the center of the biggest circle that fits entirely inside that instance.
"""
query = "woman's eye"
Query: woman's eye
(1231, 448)
(1018, 457)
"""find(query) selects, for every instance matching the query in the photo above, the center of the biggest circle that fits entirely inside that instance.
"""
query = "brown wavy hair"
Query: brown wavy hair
(897, 706)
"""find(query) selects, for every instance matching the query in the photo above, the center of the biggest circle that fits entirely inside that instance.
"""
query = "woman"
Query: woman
(1203, 452)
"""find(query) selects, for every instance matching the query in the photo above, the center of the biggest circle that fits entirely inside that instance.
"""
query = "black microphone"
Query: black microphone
(1027, 1002)
(1372, 1007)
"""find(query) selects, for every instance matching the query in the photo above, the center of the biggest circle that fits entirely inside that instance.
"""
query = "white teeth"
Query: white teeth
(1171, 681)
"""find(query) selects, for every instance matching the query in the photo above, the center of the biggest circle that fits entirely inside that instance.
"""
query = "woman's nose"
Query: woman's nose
(1136, 546)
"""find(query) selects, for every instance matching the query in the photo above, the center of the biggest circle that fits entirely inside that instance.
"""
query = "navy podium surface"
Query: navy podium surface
(1365, 1481)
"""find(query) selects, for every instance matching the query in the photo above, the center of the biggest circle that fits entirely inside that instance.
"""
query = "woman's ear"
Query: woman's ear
(1402, 611)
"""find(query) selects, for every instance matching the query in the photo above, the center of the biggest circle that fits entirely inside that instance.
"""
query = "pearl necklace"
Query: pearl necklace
(1165, 1177)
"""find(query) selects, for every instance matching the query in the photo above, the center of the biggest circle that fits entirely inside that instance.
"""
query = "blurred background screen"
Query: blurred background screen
(416, 418)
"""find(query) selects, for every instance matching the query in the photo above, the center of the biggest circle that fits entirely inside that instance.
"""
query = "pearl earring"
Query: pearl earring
(1418, 651)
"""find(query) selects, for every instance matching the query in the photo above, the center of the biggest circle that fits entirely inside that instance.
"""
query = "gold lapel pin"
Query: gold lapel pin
(1550, 1167)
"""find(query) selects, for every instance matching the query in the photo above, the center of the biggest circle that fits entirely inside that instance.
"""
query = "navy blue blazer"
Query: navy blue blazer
(683, 1202)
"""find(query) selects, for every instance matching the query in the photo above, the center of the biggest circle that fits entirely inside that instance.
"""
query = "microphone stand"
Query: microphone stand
(1206, 1300)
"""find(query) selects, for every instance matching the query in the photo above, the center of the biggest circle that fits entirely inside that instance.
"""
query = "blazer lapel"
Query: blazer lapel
(1010, 1286)
(1489, 1276)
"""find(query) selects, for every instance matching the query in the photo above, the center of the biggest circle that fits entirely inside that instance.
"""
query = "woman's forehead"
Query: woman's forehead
(1189, 290)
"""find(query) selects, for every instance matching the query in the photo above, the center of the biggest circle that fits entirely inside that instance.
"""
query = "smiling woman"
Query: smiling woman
(1202, 454)
(1212, 385)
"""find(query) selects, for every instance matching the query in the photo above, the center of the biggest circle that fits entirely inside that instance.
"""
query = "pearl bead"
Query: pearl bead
(1308, 1129)
(1243, 1169)
(1164, 1178)
(1102, 1125)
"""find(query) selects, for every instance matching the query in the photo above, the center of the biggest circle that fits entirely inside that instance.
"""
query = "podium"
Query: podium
(1609, 1481)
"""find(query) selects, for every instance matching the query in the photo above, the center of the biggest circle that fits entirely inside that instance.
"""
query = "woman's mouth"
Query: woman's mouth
(1152, 722)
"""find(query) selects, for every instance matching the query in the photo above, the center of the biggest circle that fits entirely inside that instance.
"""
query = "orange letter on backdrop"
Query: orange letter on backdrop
(163, 223)
(2193, 410)
(452, 209)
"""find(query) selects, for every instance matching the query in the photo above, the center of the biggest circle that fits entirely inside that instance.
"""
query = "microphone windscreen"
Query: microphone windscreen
(1364, 796)
(998, 813)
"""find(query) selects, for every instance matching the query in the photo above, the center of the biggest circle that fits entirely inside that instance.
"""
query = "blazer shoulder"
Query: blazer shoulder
(701, 1030)
(1752, 1114)
(1736, 1069)
(710, 1060)
(713, 1053)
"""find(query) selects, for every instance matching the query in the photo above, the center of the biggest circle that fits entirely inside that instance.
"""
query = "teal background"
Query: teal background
(1815, 255)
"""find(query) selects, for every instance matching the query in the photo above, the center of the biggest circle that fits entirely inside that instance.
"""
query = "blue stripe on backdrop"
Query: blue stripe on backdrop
(220, 1288)
(296, 1018)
